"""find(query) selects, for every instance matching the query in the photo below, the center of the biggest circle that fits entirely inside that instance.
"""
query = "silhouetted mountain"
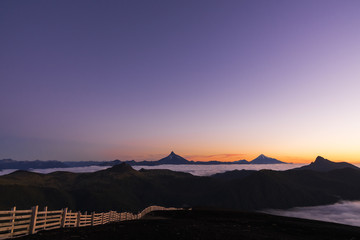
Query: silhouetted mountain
(262, 159)
(123, 188)
(173, 159)
(323, 165)
(121, 168)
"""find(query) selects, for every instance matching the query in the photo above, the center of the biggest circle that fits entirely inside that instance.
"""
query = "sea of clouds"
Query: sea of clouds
(207, 170)
(346, 212)
(198, 170)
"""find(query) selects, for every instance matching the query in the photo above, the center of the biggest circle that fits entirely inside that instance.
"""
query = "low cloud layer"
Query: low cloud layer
(198, 170)
(343, 212)
(207, 170)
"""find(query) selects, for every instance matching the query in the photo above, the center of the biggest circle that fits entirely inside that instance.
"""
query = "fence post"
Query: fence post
(92, 218)
(71, 224)
(78, 219)
(63, 219)
(12, 221)
(45, 216)
(86, 218)
(32, 227)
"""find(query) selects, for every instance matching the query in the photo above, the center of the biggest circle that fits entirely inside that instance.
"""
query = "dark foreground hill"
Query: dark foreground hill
(207, 224)
(122, 188)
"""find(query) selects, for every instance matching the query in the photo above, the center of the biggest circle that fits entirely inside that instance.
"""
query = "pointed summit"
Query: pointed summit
(320, 159)
(173, 159)
(262, 159)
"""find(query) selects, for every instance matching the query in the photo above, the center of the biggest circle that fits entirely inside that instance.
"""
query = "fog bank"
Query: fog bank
(346, 212)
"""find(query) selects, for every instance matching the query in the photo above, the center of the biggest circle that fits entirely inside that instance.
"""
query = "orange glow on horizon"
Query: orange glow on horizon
(216, 157)
(248, 157)
(295, 157)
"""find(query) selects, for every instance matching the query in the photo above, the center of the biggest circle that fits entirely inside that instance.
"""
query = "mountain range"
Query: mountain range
(175, 159)
(172, 158)
(124, 189)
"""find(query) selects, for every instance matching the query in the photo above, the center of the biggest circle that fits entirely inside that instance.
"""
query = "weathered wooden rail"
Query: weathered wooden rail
(15, 223)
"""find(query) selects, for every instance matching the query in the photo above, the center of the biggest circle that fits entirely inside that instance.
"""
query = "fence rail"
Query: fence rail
(15, 223)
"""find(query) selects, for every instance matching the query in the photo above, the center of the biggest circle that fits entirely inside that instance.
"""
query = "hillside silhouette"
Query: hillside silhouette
(123, 188)
(323, 165)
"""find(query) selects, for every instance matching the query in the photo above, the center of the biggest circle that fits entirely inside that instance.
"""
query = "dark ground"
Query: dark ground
(207, 224)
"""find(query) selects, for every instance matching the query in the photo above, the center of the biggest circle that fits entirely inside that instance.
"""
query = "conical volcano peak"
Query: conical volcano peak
(262, 159)
(173, 159)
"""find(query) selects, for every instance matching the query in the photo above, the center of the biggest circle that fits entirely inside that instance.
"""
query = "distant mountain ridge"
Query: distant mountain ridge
(24, 165)
(175, 159)
(172, 158)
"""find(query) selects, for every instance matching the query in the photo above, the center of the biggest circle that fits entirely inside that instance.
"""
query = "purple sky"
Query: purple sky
(99, 80)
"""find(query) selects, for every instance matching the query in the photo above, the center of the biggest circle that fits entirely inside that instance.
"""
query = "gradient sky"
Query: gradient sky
(219, 80)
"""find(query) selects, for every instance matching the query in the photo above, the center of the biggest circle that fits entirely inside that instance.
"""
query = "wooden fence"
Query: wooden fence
(15, 223)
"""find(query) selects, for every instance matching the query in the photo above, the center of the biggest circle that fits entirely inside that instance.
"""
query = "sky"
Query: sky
(210, 80)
